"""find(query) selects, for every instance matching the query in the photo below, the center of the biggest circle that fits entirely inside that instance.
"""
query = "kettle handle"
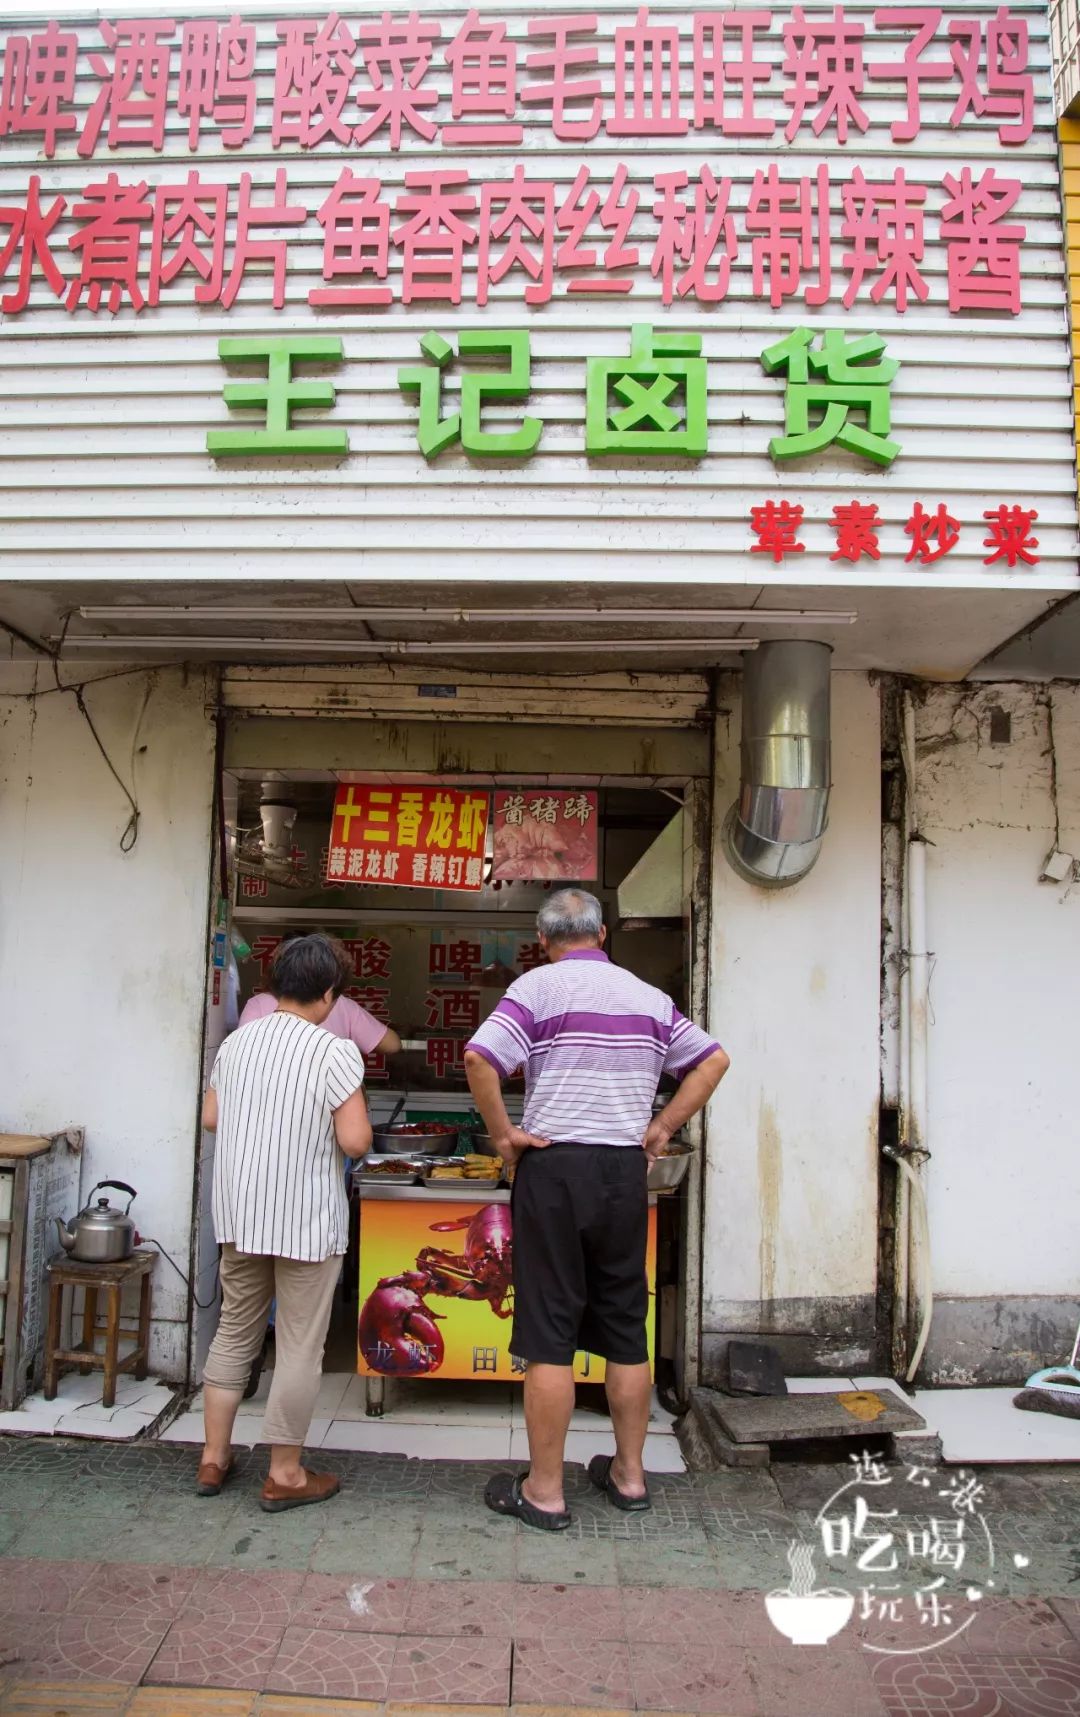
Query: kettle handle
(118, 1186)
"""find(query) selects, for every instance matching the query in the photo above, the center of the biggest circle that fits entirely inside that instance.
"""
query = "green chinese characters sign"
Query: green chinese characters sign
(652, 403)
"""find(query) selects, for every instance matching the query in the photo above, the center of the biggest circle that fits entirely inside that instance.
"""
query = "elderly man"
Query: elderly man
(593, 1041)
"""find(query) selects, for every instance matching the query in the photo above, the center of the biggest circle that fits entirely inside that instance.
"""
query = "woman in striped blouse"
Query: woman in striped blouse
(286, 1102)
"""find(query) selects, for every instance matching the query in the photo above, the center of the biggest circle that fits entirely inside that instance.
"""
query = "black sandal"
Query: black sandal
(600, 1475)
(503, 1495)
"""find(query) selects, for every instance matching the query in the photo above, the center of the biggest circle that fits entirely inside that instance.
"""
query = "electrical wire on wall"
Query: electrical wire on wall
(77, 691)
(204, 1306)
(131, 828)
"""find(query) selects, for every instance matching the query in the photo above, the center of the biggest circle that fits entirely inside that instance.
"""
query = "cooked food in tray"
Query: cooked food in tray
(470, 1168)
(391, 1168)
(480, 1168)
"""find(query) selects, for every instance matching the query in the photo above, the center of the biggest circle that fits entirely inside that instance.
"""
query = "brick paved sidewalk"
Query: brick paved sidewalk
(119, 1589)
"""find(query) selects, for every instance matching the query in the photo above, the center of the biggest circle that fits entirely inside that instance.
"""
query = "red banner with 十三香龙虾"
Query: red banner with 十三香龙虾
(408, 837)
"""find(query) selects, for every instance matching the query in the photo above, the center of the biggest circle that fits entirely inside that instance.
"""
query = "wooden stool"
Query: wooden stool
(93, 1279)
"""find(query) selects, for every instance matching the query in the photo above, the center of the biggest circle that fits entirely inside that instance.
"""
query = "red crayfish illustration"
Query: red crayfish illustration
(399, 1333)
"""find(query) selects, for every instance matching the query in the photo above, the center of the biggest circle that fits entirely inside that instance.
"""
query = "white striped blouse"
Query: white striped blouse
(278, 1173)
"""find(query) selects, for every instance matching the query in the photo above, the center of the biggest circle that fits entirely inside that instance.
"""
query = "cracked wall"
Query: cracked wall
(994, 795)
(103, 954)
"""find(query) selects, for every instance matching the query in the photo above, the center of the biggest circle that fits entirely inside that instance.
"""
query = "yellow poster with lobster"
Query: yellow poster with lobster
(436, 1291)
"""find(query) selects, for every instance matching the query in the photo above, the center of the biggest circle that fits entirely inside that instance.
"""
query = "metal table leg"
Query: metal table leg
(375, 1395)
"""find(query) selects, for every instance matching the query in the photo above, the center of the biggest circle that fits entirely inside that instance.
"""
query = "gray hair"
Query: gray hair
(570, 915)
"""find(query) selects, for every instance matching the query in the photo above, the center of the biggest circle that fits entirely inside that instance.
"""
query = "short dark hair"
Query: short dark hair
(305, 967)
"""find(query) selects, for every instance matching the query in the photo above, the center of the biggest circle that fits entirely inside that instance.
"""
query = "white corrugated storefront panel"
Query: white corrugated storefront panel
(102, 438)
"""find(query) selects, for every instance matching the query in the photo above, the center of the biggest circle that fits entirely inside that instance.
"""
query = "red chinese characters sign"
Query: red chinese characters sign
(547, 834)
(408, 837)
(442, 233)
(132, 242)
(775, 526)
(380, 82)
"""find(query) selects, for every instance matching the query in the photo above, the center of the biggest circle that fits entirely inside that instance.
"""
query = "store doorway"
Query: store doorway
(430, 964)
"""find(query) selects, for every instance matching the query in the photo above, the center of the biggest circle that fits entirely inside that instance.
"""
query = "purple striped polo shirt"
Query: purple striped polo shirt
(593, 1041)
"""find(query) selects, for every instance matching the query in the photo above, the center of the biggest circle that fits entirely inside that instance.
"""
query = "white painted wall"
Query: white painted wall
(791, 1184)
(1004, 1179)
(103, 955)
(790, 1199)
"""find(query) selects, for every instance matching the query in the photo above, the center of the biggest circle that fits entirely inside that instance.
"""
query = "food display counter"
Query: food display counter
(436, 1298)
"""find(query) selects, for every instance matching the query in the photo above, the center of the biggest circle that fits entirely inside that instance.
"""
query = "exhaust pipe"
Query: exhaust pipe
(773, 834)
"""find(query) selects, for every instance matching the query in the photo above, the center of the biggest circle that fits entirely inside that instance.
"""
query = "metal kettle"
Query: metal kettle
(100, 1234)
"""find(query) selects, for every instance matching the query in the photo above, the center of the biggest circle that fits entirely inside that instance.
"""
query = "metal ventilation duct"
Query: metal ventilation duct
(773, 835)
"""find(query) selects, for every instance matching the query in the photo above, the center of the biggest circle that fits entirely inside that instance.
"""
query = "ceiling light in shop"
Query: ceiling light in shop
(293, 647)
(470, 614)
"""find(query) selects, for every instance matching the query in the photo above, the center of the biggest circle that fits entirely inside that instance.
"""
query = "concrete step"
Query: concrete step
(745, 1430)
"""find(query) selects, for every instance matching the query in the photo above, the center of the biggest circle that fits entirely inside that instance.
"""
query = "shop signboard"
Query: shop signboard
(409, 837)
(540, 294)
(547, 834)
(436, 1298)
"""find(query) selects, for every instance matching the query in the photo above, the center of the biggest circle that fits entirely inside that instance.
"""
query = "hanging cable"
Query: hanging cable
(148, 1240)
(131, 828)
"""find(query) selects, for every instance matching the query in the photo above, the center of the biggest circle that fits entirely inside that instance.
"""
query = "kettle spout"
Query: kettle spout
(66, 1235)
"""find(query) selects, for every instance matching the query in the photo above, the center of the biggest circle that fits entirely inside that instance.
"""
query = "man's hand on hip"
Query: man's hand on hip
(655, 1142)
(512, 1145)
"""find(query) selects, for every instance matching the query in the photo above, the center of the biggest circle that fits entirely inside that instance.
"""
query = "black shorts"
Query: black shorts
(581, 1218)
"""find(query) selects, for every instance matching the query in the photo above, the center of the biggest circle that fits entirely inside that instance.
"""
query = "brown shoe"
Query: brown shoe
(317, 1487)
(210, 1477)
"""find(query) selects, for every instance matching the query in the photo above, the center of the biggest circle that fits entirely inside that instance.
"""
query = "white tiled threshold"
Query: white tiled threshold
(77, 1410)
(982, 1425)
(485, 1422)
(976, 1426)
(431, 1420)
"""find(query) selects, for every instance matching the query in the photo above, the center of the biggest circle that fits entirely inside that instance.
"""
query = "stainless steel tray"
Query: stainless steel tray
(379, 1176)
(464, 1188)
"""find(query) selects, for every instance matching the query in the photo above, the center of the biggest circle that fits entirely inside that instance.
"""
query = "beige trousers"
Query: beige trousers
(305, 1296)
